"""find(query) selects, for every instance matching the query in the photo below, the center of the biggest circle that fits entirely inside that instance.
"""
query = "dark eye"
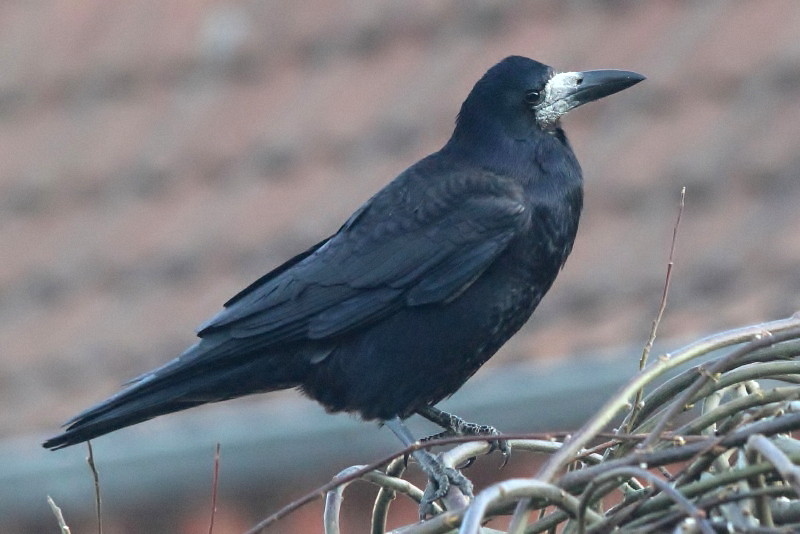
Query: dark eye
(533, 97)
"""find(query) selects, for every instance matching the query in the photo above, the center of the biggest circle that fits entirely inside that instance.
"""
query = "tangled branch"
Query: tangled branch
(709, 447)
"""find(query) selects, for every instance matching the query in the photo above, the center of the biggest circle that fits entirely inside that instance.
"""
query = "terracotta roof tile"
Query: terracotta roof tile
(157, 157)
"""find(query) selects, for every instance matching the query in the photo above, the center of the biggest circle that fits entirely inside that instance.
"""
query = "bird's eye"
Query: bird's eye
(533, 97)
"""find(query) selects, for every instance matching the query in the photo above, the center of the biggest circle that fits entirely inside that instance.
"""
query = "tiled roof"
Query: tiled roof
(156, 157)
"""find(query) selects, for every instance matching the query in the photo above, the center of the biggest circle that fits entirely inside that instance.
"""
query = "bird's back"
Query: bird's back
(421, 354)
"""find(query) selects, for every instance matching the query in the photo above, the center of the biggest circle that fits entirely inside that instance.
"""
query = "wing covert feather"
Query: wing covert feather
(385, 258)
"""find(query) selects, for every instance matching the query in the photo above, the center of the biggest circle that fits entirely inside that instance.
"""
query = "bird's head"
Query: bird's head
(520, 95)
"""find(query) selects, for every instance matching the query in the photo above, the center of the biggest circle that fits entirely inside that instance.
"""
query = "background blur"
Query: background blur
(155, 157)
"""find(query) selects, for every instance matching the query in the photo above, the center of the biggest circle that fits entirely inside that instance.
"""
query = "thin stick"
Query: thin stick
(608, 411)
(766, 339)
(513, 489)
(62, 525)
(321, 491)
(661, 307)
(618, 401)
(665, 293)
(214, 485)
(771, 453)
(380, 509)
(333, 501)
(542, 437)
(334, 497)
(96, 477)
(688, 508)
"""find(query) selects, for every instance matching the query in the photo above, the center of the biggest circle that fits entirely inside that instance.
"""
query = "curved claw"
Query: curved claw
(486, 430)
(463, 428)
(506, 455)
(501, 445)
(467, 463)
(439, 483)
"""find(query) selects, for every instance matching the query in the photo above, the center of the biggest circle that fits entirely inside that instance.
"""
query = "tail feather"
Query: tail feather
(102, 420)
(189, 380)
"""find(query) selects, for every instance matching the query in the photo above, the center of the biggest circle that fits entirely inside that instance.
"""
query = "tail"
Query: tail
(205, 373)
(126, 408)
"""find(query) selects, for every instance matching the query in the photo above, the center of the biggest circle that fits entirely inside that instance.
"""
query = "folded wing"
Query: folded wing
(391, 253)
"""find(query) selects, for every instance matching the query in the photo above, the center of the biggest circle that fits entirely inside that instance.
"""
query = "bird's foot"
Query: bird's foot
(465, 428)
(444, 483)
(456, 426)
(441, 480)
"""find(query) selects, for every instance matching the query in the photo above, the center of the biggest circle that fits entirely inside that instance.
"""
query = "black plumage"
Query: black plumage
(420, 286)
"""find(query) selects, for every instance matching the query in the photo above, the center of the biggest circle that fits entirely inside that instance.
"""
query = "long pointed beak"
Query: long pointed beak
(568, 90)
(591, 85)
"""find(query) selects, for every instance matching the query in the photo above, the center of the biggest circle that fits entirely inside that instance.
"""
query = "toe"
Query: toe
(460, 481)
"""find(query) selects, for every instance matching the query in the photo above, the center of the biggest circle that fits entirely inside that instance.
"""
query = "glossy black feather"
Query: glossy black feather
(413, 293)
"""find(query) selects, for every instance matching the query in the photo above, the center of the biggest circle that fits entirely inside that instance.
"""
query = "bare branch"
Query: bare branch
(333, 500)
(767, 449)
(380, 509)
(508, 491)
(96, 478)
(689, 509)
(59, 516)
(734, 409)
(661, 307)
(214, 488)
(667, 362)
(765, 339)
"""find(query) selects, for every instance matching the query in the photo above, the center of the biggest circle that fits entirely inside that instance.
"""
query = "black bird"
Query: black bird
(418, 288)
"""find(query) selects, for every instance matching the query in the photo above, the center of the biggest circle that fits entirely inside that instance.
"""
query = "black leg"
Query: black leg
(442, 480)
(455, 426)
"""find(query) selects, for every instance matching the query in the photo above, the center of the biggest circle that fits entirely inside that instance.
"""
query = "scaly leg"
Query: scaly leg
(442, 480)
